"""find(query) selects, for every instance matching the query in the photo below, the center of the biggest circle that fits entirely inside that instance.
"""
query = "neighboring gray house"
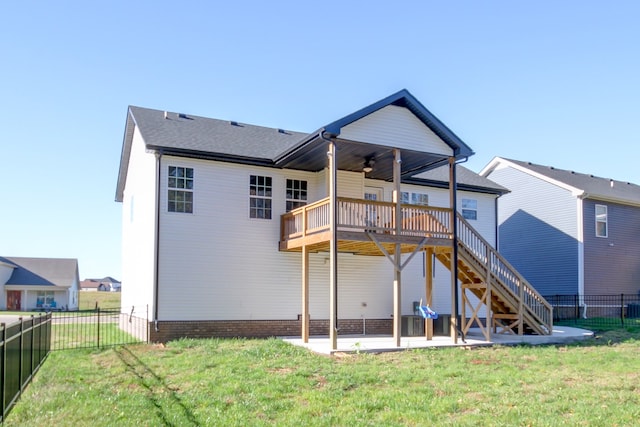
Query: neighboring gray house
(568, 233)
(38, 283)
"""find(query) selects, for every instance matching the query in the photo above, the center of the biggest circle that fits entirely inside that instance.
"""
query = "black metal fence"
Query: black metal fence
(24, 345)
(596, 311)
(99, 328)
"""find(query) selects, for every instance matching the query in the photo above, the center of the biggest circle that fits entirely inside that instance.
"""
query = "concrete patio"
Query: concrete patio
(383, 343)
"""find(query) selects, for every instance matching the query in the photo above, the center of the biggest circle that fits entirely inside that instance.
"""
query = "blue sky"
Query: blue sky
(555, 83)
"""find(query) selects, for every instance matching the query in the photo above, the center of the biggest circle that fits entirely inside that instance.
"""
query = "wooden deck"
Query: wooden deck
(365, 225)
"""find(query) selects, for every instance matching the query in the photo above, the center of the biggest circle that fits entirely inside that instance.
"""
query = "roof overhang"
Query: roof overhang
(310, 154)
(351, 155)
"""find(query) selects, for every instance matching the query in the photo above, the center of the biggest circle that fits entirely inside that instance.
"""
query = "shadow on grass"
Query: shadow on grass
(156, 387)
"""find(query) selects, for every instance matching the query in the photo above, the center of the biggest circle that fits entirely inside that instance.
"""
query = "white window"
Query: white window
(180, 196)
(296, 194)
(470, 209)
(601, 221)
(260, 192)
(414, 198)
(419, 199)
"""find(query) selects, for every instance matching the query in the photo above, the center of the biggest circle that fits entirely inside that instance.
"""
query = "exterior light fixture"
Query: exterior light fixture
(368, 164)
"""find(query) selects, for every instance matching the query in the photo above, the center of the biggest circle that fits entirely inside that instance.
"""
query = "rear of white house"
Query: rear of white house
(204, 205)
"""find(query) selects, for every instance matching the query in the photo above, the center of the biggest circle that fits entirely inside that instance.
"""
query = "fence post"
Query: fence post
(577, 313)
(3, 360)
(622, 309)
(33, 350)
(98, 310)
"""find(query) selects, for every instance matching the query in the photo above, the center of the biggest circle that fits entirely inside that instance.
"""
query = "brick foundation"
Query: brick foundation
(171, 330)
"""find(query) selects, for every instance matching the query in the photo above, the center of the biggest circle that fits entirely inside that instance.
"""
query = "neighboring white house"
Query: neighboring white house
(38, 283)
(227, 226)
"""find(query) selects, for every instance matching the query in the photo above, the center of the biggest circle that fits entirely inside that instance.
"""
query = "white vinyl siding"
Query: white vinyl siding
(396, 127)
(138, 226)
(232, 269)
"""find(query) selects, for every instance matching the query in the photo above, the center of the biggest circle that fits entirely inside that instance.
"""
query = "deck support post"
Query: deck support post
(333, 245)
(453, 189)
(305, 295)
(397, 278)
(428, 330)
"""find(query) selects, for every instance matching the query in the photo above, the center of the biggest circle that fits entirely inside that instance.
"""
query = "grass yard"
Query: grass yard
(87, 300)
(268, 382)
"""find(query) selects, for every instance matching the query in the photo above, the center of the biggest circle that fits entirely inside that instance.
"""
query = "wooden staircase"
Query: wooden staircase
(513, 305)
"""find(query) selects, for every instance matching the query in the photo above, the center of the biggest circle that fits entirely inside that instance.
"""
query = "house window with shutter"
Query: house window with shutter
(601, 221)
(180, 193)
(260, 193)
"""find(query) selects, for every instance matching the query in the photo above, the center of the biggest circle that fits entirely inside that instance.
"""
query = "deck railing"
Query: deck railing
(366, 215)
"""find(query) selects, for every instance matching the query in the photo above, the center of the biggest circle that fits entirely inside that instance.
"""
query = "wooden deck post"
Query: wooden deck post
(333, 246)
(489, 304)
(305, 295)
(397, 281)
(429, 291)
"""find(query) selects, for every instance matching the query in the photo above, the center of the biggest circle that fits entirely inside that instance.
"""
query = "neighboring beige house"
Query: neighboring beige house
(106, 284)
(38, 283)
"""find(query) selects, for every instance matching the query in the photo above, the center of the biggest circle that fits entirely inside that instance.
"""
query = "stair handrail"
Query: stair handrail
(535, 303)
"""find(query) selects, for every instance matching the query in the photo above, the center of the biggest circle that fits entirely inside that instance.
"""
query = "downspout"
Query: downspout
(156, 254)
(454, 229)
(497, 227)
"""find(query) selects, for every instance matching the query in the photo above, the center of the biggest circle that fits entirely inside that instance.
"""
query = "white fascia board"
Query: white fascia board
(605, 199)
(498, 162)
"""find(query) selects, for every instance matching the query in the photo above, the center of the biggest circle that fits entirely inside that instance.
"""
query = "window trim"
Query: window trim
(408, 198)
(599, 221)
(296, 202)
(187, 188)
(262, 198)
(464, 209)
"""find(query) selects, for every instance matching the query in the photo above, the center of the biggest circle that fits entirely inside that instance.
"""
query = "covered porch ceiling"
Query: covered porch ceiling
(352, 156)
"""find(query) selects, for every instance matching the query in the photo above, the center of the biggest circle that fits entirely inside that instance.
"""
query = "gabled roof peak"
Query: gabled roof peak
(403, 98)
(589, 185)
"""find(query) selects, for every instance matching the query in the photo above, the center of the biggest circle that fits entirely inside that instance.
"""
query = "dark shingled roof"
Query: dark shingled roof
(594, 187)
(212, 136)
(467, 180)
(194, 136)
(42, 271)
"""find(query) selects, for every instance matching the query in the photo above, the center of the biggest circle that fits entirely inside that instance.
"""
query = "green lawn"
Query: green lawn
(268, 382)
(87, 300)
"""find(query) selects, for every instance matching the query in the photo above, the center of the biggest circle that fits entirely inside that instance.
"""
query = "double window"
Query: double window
(45, 299)
(414, 198)
(601, 221)
(260, 193)
(180, 184)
